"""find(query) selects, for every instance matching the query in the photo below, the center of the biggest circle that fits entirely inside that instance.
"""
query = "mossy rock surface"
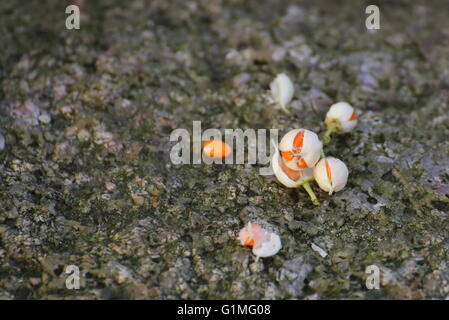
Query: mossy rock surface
(85, 171)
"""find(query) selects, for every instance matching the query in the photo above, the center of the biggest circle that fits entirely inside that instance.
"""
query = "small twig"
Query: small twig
(309, 190)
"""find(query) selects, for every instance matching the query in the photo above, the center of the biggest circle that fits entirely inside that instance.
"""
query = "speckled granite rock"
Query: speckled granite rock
(85, 174)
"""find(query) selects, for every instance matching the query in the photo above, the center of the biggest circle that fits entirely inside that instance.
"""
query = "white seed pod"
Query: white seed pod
(342, 116)
(282, 89)
(288, 177)
(331, 174)
(300, 149)
(269, 247)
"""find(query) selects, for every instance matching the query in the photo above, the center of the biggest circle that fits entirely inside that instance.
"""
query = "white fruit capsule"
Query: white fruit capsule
(331, 174)
(300, 149)
(289, 177)
(341, 117)
(282, 90)
(292, 178)
(269, 247)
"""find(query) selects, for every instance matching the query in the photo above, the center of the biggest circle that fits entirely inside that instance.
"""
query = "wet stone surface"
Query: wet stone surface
(86, 178)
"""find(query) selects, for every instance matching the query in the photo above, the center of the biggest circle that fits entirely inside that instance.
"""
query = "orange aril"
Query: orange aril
(287, 155)
(353, 117)
(302, 163)
(216, 149)
(249, 242)
(298, 141)
(294, 175)
(328, 171)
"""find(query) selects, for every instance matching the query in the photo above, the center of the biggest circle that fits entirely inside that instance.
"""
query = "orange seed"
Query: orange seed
(328, 171)
(298, 141)
(294, 175)
(353, 117)
(249, 242)
(216, 149)
(302, 163)
(287, 155)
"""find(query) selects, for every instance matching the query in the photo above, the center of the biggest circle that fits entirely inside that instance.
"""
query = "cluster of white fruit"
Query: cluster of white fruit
(299, 160)
(300, 157)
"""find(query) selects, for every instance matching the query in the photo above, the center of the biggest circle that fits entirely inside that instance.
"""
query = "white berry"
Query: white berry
(331, 174)
(341, 115)
(282, 90)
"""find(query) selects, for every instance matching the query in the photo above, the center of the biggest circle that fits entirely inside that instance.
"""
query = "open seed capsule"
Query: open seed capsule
(263, 242)
(287, 176)
(293, 178)
(300, 149)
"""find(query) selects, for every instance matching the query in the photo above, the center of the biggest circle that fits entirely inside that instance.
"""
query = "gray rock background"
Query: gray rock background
(85, 174)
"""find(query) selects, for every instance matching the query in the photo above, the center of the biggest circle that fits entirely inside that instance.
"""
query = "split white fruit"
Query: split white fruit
(269, 247)
(300, 149)
(331, 174)
(292, 165)
(282, 90)
(263, 242)
(289, 177)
